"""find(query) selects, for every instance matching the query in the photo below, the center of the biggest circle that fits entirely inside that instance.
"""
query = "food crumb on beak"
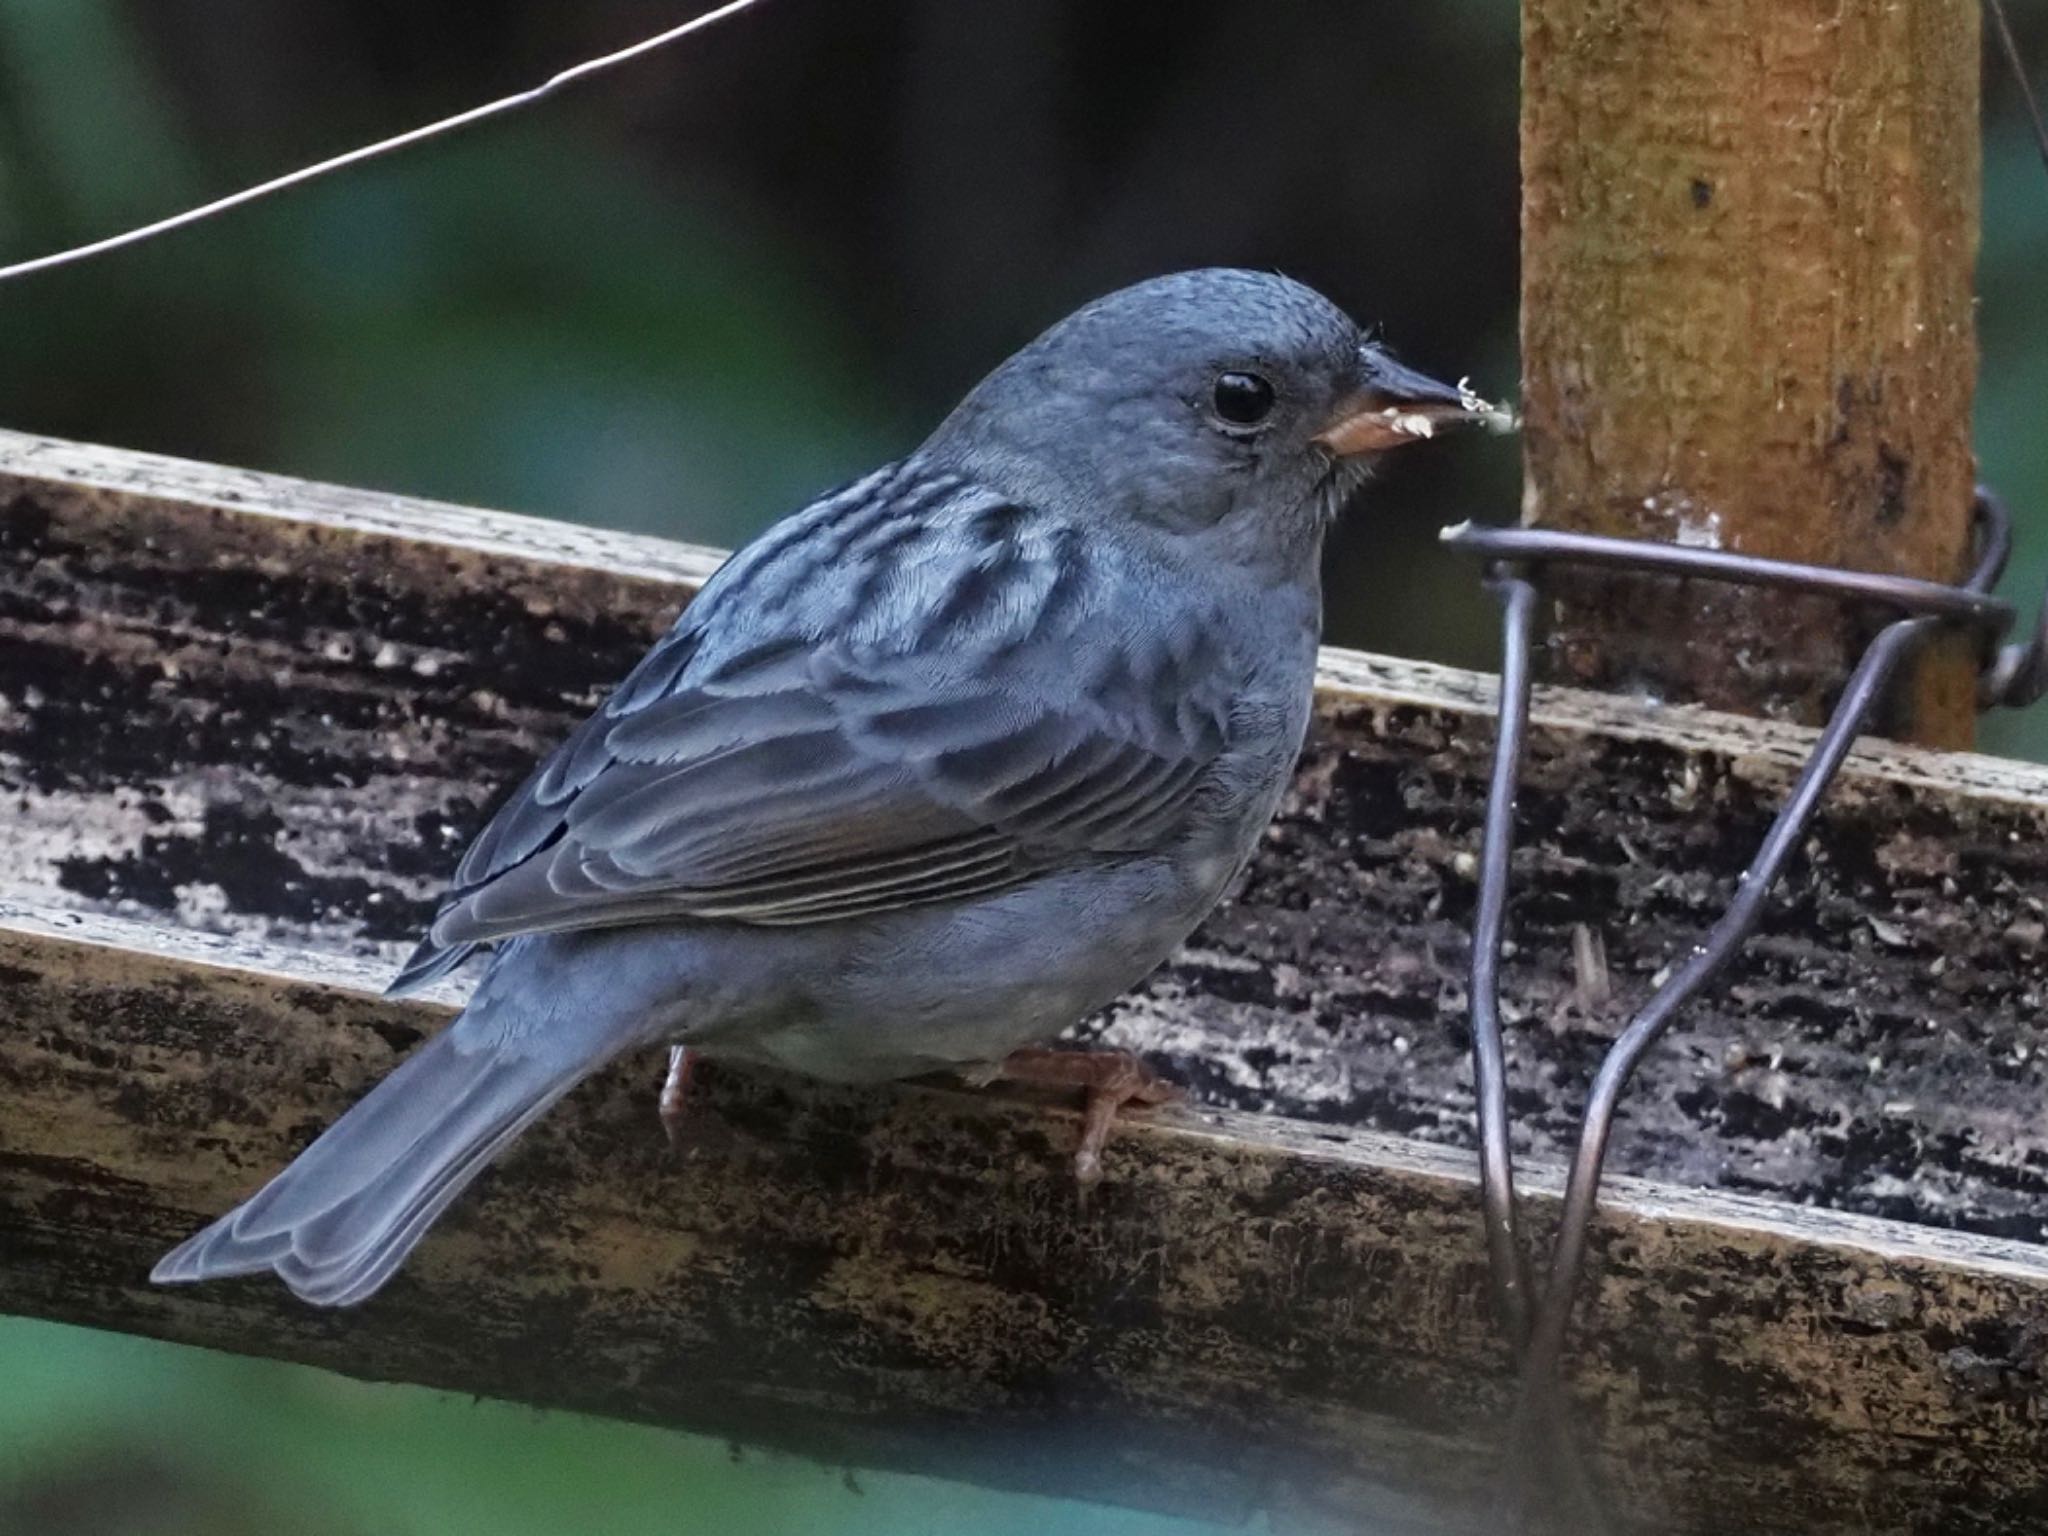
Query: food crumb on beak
(1363, 425)
(1495, 418)
(1407, 423)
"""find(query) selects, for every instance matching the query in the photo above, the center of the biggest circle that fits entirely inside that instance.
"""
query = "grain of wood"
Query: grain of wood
(1253, 1313)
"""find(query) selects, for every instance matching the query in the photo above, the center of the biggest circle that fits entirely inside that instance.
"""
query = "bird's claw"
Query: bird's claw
(1112, 1080)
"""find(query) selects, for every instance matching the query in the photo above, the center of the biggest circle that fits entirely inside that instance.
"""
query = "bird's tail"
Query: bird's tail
(337, 1223)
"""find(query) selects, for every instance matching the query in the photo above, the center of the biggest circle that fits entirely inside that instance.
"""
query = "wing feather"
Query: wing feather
(759, 769)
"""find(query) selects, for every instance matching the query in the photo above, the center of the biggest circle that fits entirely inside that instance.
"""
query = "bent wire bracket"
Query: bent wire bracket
(1535, 1319)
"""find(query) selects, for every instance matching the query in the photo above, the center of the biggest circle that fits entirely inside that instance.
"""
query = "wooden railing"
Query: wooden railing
(246, 725)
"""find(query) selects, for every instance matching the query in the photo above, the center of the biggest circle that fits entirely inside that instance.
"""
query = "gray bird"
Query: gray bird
(926, 773)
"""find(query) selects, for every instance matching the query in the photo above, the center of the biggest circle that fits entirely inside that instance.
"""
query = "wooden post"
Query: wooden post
(1749, 228)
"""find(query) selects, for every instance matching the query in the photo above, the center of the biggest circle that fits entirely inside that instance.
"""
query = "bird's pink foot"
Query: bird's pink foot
(1112, 1080)
(675, 1094)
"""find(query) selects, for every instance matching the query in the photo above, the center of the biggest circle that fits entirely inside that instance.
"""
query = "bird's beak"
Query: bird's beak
(1393, 405)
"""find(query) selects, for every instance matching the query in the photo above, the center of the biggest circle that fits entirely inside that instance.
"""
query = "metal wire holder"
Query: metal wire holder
(1536, 1319)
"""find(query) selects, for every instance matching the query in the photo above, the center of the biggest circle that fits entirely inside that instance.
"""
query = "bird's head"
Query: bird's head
(1237, 408)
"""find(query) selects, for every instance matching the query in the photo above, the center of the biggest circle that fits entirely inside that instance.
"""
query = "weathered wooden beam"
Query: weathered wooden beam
(1255, 1313)
(1749, 234)
(241, 744)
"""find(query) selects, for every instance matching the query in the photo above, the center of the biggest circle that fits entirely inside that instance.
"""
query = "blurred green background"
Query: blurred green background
(681, 300)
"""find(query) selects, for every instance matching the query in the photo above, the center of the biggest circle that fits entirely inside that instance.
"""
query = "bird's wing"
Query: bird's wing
(865, 710)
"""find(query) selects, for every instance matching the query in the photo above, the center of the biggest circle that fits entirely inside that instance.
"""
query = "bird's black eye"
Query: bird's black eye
(1243, 399)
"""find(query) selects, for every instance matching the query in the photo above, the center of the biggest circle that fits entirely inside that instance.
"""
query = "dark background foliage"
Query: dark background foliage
(681, 300)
